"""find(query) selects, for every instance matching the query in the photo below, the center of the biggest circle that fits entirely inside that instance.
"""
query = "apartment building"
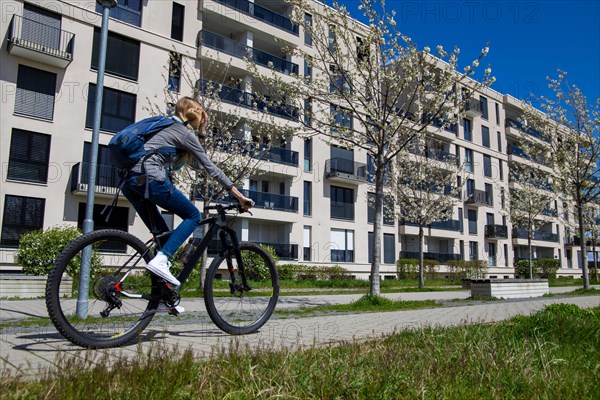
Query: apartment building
(311, 198)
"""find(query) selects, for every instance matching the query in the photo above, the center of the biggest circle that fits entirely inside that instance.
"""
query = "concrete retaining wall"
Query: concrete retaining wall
(26, 286)
(509, 288)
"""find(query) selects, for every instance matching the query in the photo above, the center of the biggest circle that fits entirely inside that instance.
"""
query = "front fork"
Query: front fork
(235, 286)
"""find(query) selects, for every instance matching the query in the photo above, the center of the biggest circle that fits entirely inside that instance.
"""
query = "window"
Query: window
(35, 92)
(473, 251)
(339, 82)
(469, 161)
(307, 155)
(342, 245)
(174, 72)
(342, 118)
(307, 70)
(472, 217)
(21, 215)
(308, 22)
(29, 156)
(362, 50)
(118, 109)
(41, 27)
(489, 194)
(332, 44)
(388, 208)
(467, 129)
(497, 114)
(485, 136)
(308, 112)
(307, 243)
(460, 220)
(501, 167)
(499, 142)
(307, 198)
(342, 203)
(106, 174)
(122, 55)
(177, 22)
(484, 107)
(370, 247)
(389, 248)
(129, 11)
(118, 219)
(487, 166)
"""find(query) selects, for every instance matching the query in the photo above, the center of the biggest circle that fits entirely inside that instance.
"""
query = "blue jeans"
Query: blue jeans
(166, 196)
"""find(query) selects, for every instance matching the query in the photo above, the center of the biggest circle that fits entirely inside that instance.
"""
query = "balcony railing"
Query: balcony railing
(248, 100)
(513, 123)
(343, 169)
(496, 232)
(34, 40)
(473, 108)
(262, 13)
(535, 235)
(434, 154)
(550, 212)
(517, 151)
(283, 251)
(107, 178)
(269, 201)
(440, 257)
(479, 197)
(449, 225)
(239, 50)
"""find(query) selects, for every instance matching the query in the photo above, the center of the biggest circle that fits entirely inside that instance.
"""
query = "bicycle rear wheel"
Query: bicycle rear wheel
(122, 295)
(233, 308)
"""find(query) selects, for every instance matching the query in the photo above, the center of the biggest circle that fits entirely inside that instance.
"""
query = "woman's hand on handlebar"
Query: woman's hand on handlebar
(245, 202)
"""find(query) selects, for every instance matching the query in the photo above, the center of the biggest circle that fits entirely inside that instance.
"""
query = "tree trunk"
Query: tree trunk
(595, 259)
(375, 289)
(421, 258)
(584, 258)
(530, 255)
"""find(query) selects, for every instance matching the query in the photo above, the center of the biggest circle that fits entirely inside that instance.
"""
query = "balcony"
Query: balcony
(550, 212)
(518, 152)
(39, 42)
(513, 123)
(107, 179)
(440, 257)
(283, 251)
(434, 154)
(479, 198)
(345, 171)
(270, 201)
(535, 235)
(496, 232)
(473, 108)
(239, 50)
(248, 100)
(449, 225)
(263, 14)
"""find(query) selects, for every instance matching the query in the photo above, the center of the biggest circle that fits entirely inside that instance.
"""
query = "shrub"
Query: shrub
(471, 269)
(287, 272)
(522, 269)
(255, 267)
(407, 268)
(546, 268)
(335, 272)
(431, 267)
(308, 273)
(38, 250)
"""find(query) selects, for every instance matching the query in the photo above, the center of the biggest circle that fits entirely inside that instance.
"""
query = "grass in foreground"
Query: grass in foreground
(553, 354)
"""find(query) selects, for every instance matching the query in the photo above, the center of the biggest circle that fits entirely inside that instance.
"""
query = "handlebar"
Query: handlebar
(228, 207)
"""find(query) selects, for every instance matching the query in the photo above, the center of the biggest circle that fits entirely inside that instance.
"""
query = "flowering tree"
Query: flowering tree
(592, 220)
(529, 202)
(426, 189)
(572, 128)
(238, 140)
(368, 87)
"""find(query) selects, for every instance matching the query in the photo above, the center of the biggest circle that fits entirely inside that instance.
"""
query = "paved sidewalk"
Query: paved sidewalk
(33, 350)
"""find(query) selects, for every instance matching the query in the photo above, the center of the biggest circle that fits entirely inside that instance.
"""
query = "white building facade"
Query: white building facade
(311, 198)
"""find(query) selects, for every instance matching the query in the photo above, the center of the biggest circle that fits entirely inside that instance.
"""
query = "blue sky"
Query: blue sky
(528, 40)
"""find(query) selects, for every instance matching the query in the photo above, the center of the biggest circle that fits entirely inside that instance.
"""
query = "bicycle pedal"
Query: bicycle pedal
(173, 311)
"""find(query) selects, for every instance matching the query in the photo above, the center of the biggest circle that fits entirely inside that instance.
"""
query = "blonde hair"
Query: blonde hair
(187, 107)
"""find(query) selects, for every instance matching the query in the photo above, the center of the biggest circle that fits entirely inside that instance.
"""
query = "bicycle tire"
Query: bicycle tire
(241, 313)
(122, 325)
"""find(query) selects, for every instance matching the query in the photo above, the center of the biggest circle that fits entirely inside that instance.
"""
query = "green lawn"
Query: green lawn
(554, 354)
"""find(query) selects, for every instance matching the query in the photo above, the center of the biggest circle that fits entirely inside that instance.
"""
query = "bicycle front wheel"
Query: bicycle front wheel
(236, 309)
(121, 297)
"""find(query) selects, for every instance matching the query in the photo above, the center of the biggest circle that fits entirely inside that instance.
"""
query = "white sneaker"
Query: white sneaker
(160, 266)
(162, 308)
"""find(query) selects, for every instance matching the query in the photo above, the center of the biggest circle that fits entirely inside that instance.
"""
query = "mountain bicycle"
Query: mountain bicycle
(241, 287)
